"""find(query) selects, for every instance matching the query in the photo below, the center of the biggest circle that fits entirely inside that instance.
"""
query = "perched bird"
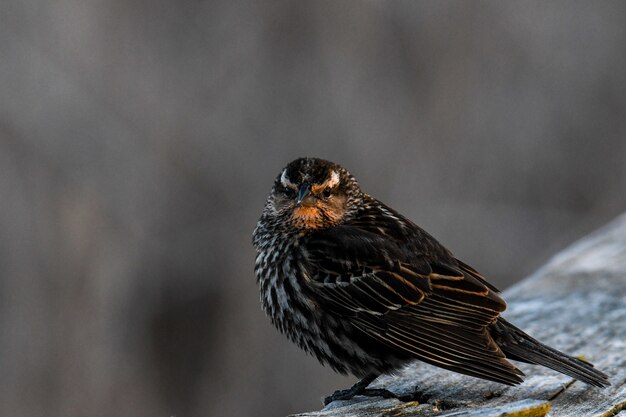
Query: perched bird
(365, 290)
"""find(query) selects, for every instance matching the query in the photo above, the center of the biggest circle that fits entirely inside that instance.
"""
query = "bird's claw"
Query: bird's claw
(348, 394)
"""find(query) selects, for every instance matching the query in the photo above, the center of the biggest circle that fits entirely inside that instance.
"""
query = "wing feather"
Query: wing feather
(436, 309)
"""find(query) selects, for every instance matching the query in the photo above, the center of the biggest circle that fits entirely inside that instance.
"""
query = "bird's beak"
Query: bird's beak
(304, 197)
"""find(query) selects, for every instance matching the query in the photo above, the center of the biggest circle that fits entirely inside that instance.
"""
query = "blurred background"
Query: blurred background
(139, 140)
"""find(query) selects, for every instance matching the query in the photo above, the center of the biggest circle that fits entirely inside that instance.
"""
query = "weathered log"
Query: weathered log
(576, 303)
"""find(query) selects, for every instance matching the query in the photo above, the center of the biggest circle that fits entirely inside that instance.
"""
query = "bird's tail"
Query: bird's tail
(519, 346)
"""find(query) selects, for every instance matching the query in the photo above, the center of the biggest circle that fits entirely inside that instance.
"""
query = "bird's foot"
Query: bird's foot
(348, 394)
(416, 395)
(360, 388)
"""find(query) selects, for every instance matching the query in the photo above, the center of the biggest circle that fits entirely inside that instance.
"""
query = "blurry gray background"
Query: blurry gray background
(139, 140)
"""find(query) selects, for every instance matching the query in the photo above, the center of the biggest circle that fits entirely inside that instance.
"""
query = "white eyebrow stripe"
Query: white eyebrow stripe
(329, 183)
(285, 181)
(334, 179)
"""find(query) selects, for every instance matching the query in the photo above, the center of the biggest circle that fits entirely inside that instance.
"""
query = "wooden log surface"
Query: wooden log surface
(576, 303)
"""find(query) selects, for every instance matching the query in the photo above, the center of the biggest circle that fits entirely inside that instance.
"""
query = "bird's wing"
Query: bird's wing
(433, 311)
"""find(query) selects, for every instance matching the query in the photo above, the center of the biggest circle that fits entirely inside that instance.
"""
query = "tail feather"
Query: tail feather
(517, 345)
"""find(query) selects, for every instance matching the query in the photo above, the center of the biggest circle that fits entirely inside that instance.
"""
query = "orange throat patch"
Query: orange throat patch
(307, 217)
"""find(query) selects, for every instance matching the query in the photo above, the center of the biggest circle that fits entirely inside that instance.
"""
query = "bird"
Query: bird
(366, 291)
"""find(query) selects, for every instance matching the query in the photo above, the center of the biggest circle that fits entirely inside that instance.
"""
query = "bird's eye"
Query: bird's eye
(288, 192)
(327, 192)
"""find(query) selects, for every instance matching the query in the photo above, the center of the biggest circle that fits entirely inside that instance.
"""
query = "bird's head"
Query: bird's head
(311, 194)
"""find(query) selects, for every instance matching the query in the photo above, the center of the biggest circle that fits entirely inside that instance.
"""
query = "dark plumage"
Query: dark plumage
(365, 290)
